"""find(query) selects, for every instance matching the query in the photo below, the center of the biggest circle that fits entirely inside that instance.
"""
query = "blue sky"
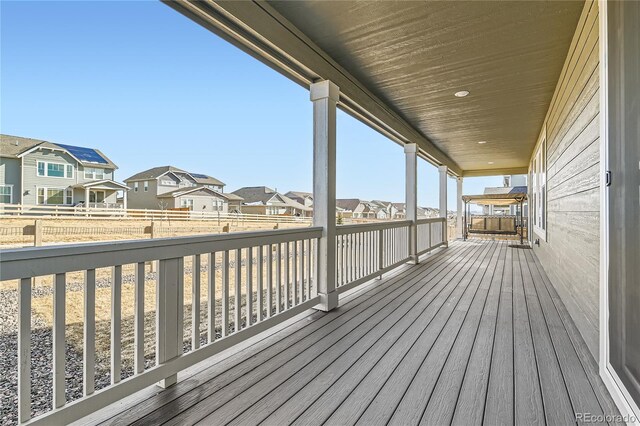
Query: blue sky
(149, 87)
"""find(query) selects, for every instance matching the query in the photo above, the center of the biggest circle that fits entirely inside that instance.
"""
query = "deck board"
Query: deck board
(474, 334)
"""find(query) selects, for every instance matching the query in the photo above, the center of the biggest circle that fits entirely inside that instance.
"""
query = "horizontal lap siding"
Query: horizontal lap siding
(10, 175)
(570, 256)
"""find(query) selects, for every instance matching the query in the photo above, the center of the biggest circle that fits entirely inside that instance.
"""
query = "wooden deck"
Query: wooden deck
(474, 334)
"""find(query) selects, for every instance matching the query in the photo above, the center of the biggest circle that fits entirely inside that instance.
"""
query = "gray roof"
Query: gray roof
(262, 194)
(15, 146)
(185, 191)
(156, 172)
(348, 203)
(299, 194)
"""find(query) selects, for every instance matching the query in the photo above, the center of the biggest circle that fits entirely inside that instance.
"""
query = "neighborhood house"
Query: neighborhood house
(37, 172)
(264, 200)
(169, 187)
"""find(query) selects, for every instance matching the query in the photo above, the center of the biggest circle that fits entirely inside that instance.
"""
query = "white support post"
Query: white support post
(459, 209)
(443, 200)
(169, 314)
(411, 198)
(324, 96)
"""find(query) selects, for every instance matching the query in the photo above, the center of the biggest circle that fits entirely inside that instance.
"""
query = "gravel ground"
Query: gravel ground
(41, 353)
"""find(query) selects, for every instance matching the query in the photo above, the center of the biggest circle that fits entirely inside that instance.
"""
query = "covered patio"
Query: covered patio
(385, 323)
(473, 334)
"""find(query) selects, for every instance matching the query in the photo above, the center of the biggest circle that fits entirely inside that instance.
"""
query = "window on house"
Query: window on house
(135, 186)
(187, 202)
(146, 186)
(55, 196)
(6, 193)
(54, 169)
(93, 173)
(168, 182)
(217, 205)
(539, 191)
(96, 196)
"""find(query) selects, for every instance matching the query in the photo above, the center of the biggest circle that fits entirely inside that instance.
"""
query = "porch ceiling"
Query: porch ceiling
(415, 55)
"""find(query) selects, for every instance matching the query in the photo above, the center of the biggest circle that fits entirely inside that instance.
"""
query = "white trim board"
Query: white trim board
(618, 392)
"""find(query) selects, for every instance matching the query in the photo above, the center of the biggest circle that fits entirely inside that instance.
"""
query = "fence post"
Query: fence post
(37, 233)
(169, 314)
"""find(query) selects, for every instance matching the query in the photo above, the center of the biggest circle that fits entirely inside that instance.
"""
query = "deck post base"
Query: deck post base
(169, 381)
(328, 302)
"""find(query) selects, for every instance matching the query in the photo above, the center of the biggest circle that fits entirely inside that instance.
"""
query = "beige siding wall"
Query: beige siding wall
(570, 255)
(10, 175)
(202, 203)
(31, 180)
(142, 199)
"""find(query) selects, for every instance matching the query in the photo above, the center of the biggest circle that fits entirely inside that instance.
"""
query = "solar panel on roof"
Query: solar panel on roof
(199, 176)
(84, 154)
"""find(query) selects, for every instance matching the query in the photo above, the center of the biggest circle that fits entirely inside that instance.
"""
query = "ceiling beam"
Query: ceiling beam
(259, 30)
(496, 172)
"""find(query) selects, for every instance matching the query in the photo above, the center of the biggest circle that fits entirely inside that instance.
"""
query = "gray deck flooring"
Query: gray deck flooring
(474, 334)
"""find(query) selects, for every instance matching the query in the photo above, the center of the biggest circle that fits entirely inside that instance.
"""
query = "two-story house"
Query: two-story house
(169, 187)
(264, 200)
(304, 198)
(511, 184)
(37, 172)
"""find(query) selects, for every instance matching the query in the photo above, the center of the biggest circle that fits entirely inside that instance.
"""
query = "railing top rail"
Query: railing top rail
(38, 261)
(431, 220)
(495, 215)
(363, 227)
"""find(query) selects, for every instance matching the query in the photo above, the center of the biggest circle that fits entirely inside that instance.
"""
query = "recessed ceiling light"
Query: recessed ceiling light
(482, 142)
(461, 94)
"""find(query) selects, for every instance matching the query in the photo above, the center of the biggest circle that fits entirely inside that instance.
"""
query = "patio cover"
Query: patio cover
(496, 199)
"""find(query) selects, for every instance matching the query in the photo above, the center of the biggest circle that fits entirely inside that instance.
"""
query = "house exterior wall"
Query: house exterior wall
(254, 209)
(10, 175)
(570, 254)
(31, 180)
(146, 200)
(202, 203)
(110, 195)
(161, 186)
(107, 174)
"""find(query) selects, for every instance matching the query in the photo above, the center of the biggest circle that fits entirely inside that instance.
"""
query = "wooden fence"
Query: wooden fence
(21, 210)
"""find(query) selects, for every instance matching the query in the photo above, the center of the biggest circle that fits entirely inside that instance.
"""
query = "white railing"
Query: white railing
(17, 210)
(253, 281)
(240, 284)
(431, 233)
(369, 250)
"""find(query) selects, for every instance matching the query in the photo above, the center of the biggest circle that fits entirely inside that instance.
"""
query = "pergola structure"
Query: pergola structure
(517, 198)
